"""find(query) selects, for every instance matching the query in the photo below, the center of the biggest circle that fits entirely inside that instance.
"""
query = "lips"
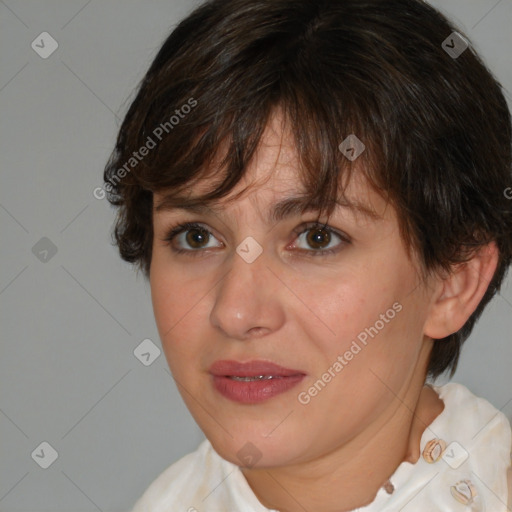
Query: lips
(251, 369)
(254, 381)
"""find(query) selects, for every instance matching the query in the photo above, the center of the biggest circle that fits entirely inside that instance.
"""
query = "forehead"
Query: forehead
(272, 183)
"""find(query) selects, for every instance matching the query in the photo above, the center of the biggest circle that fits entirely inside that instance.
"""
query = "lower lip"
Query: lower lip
(255, 391)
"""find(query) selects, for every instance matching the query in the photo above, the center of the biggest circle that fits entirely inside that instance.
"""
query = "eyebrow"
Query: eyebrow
(287, 207)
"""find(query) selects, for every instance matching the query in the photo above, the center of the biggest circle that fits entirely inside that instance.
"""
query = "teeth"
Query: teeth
(251, 379)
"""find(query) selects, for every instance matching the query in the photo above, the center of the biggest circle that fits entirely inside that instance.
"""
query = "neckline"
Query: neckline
(388, 486)
(444, 393)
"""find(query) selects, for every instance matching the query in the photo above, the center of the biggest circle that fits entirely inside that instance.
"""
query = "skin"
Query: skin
(334, 453)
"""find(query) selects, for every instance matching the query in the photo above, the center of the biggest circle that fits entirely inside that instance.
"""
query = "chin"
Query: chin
(248, 449)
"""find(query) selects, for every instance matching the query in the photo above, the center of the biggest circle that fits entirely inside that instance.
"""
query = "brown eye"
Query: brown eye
(196, 237)
(193, 239)
(190, 237)
(318, 238)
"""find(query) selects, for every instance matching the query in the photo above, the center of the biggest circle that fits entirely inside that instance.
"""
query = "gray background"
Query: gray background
(70, 325)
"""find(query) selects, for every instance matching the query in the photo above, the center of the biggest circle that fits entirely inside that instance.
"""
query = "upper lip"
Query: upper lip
(251, 369)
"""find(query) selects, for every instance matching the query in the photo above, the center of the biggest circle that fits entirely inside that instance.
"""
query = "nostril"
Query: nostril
(257, 331)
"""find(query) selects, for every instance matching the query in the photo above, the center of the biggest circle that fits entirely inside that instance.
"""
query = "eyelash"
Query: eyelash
(186, 226)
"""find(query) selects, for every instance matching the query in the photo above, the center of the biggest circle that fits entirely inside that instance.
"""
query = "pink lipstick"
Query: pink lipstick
(253, 381)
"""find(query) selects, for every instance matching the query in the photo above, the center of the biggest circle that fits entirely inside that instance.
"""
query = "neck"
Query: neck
(351, 475)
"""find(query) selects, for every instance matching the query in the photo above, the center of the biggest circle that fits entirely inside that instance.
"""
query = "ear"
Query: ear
(457, 296)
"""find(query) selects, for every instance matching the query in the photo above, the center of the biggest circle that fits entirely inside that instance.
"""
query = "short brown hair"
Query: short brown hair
(436, 126)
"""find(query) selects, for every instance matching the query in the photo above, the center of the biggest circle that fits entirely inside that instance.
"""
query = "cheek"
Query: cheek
(371, 312)
(162, 298)
(348, 311)
(182, 307)
(176, 301)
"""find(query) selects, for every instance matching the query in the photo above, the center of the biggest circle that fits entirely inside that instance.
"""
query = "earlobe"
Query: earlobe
(458, 294)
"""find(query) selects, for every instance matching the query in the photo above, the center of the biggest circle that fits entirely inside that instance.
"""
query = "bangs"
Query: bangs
(221, 150)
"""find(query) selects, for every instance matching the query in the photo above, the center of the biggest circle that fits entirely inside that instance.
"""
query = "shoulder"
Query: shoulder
(467, 412)
(474, 423)
(199, 476)
(478, 439)
(182, 484)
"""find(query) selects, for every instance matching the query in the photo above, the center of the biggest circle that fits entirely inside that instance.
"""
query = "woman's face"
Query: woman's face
(344, 310)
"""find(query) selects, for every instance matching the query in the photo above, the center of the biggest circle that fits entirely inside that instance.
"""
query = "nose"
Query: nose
(248, 299)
